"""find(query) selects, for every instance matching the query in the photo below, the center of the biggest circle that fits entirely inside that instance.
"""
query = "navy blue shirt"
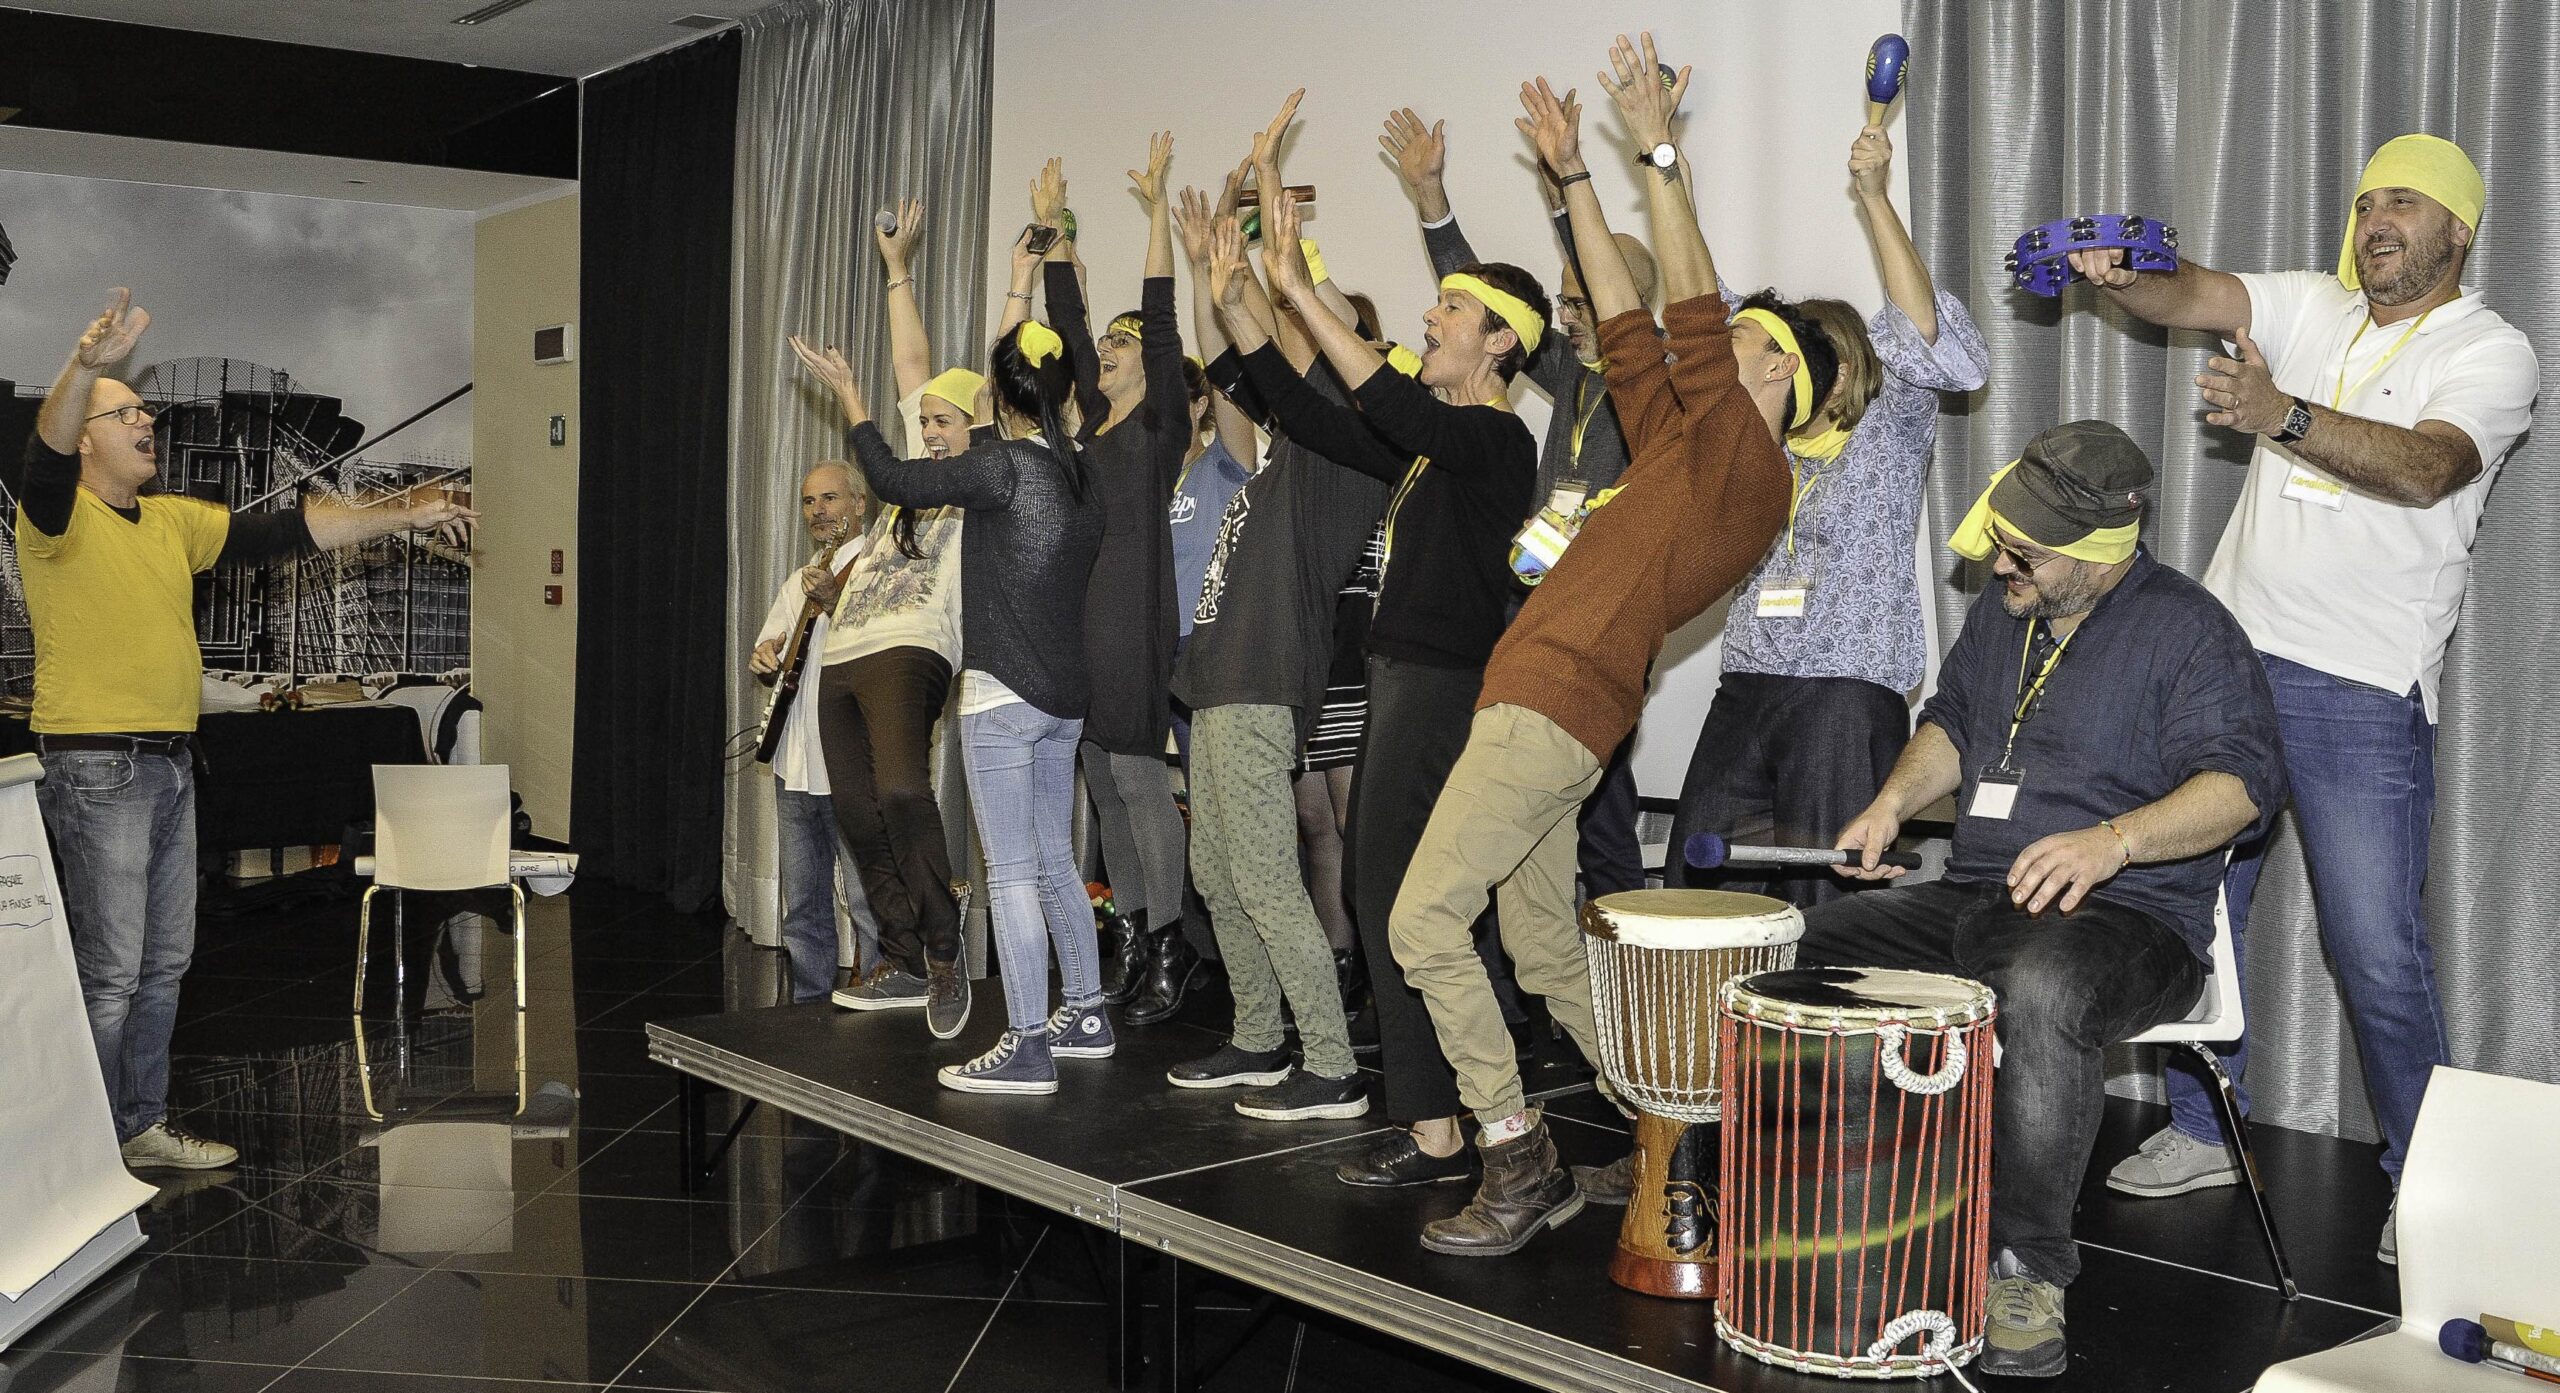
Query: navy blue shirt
(2159, 684)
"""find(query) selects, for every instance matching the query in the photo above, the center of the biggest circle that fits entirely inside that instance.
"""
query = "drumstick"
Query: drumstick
(1707, 851)
(1888, 60)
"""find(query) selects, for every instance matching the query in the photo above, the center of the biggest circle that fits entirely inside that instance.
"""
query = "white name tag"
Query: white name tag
(2304, 486)
(1993, 797)
(1783, 601)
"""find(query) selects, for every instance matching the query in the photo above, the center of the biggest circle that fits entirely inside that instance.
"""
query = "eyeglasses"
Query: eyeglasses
(134, 413)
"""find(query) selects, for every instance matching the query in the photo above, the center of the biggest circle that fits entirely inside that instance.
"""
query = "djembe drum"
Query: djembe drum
(1857, 1166)
(1658, 960)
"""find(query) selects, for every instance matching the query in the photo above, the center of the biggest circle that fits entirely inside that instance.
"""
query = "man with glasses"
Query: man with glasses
(109, 569)
(2108, 733)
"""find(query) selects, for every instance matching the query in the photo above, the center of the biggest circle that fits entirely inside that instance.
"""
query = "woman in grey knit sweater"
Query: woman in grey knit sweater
(1034, 529)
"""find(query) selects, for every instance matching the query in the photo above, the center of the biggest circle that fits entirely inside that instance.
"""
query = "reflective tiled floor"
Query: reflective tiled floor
(389, 1227)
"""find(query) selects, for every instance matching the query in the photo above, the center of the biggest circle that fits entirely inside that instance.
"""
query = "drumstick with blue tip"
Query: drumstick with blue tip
(1888, 62)
(1707, 851)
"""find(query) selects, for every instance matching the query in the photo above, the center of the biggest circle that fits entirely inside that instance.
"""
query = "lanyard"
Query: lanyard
(1582, 415)
(2027, 694)
(1185, 476)
(2343, 390)
(1798, 494)
(1387, 548)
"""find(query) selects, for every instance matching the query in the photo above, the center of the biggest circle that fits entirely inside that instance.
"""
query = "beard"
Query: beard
(2421, 266)
(2061, 598)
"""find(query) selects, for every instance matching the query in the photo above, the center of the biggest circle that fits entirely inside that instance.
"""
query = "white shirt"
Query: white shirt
(2322, 573)
(893, 600)
(798, 761)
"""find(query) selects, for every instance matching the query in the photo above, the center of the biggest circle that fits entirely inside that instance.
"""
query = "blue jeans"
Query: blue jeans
(806, 823)
(2363, 767)
(124, 826)
(1022, 790)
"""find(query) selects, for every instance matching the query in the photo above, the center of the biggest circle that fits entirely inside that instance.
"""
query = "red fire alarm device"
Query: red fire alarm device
(551, 594)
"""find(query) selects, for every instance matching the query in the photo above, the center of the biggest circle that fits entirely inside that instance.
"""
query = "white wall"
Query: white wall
(1776, 99)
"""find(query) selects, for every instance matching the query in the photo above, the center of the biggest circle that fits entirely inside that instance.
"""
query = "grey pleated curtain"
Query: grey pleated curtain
(844, 107)
(2246, 125)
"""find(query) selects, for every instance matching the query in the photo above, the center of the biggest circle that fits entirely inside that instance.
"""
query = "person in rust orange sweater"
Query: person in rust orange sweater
(1703, 496)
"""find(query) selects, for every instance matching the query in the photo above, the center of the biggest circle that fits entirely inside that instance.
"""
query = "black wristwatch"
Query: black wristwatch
(2297, 424)
(1664, 157)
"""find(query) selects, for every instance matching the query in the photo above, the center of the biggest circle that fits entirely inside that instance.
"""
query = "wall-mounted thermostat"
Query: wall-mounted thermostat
(555, 343)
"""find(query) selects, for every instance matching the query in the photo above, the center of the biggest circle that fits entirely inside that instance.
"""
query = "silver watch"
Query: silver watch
(1664, 157)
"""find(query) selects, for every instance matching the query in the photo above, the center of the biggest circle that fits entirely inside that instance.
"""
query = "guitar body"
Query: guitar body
(786, 687)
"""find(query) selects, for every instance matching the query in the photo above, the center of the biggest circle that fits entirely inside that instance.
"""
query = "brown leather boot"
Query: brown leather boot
(1524, 1190)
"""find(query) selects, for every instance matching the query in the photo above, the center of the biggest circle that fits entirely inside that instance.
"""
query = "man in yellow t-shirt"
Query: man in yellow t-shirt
(109, 572)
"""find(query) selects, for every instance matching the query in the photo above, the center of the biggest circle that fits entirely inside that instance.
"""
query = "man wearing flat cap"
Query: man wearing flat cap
(2108, 734)
(2384, 399)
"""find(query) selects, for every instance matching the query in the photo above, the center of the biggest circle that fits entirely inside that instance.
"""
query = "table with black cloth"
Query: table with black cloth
(283, 778)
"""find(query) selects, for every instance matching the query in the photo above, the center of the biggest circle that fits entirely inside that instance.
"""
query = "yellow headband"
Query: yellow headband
(2430, 164)
(1785, 339)
(1404, 360)
(1973, 540)
(960, 387)
(1511, 309)
(1037, 342)
(1129, 324)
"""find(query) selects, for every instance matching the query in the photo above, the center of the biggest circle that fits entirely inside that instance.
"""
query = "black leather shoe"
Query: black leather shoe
(1125, 951)
(1174, 967)
(1400, 1160)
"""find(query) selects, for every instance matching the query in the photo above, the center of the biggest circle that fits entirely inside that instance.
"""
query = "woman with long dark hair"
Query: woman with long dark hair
(1035, 527)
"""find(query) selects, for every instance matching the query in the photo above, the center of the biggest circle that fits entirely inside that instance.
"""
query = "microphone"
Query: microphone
(1888, 63)
(1707, 851)
(887, 222)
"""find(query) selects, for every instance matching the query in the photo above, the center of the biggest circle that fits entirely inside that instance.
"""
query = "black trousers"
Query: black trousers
(1785, 761)
(1606, 850)
(1419, 716)
(875, 719)
(2069, 986)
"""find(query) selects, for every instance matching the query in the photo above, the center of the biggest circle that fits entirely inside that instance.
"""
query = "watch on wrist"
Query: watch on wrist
(1664, 157)
(2297, 424)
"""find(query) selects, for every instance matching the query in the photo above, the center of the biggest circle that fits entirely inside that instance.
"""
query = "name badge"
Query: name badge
(1784, 599)
(2304, 486)
(1995, 793)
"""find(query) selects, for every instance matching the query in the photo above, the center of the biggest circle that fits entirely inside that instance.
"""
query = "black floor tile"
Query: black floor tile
(814, 1342)
(575, 1235)
(506, 1326)
(642, 1164)
(238, 1310)
(38, 1371)
(352, 1381)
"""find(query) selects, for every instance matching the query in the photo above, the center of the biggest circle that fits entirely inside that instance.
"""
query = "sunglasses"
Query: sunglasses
(2019, 557)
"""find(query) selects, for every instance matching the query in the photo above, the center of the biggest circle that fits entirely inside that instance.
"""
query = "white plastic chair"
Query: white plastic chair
(2479, 1220)
(2216, 1019)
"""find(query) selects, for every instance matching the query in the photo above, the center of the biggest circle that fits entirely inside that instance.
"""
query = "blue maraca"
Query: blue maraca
(1888, 63)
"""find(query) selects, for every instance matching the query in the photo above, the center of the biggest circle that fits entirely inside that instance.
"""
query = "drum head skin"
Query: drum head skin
(1692, 919)
(1858, 995)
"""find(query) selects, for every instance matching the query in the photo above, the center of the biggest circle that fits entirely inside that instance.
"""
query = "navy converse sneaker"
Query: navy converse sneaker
(1018, 1063)
(1081, 1032)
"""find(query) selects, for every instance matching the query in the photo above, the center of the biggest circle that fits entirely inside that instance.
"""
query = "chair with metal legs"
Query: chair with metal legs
(2217, 1019)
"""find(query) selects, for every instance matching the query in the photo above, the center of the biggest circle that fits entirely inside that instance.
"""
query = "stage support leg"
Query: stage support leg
(1174, 1355)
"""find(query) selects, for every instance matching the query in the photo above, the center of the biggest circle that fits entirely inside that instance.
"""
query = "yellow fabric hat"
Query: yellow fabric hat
(960, 387)
(1530, 325)
(1038, 342)
(1973, 539)
(2430, 164)
(1785, 338)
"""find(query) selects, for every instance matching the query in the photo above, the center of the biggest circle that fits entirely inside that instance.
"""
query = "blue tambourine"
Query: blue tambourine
(2040, 261)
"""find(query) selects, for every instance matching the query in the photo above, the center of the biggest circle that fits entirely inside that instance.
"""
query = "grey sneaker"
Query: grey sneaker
(1609, 1184)
(2388, 1251)
(946, 999)
(888, 988)
(1081, 1032)
(161, 1145)
(2025, 1338)
(1018, 1063)
(2172, 1163)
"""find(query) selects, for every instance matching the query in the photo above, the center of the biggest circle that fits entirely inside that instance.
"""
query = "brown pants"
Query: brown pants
(1506, 819)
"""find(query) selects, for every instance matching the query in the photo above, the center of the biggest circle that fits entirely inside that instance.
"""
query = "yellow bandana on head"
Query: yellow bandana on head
(1973, 540)
(2430, 164)
(1130, 325)
(1785, 339)
(1404, 360)
(1038, 342)
(1509, 308)
(960, 387)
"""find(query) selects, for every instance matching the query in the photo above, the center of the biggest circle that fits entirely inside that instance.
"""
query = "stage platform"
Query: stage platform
(2174, 1294)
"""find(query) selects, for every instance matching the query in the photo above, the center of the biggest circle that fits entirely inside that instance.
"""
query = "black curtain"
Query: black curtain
(658, 154)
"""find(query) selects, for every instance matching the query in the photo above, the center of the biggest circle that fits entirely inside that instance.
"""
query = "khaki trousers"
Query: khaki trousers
(1505, 820)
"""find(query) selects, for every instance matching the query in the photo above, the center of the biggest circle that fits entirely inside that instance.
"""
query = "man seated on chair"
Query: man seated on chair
(2108, 733)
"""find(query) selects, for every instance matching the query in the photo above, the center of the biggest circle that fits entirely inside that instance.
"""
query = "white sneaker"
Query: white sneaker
(161, 1145)
(2173, 1163)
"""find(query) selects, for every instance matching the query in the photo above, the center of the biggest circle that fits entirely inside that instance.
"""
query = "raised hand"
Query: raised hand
(1554, 126)
(897, 249)
(1421, 153)
(1870, 159)
(831, 368)
(1231, 197)
(450, 521)
(1194, 221)
(1049, 194)
(111, 337)
(1149, 186)
(1226, 263)
(1026, 262)
(1266, 146)
(2104, 268)
(1635, 84)
(1280, 254)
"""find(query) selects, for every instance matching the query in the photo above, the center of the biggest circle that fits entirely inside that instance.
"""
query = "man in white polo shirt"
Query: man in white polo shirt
(2384, 400)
